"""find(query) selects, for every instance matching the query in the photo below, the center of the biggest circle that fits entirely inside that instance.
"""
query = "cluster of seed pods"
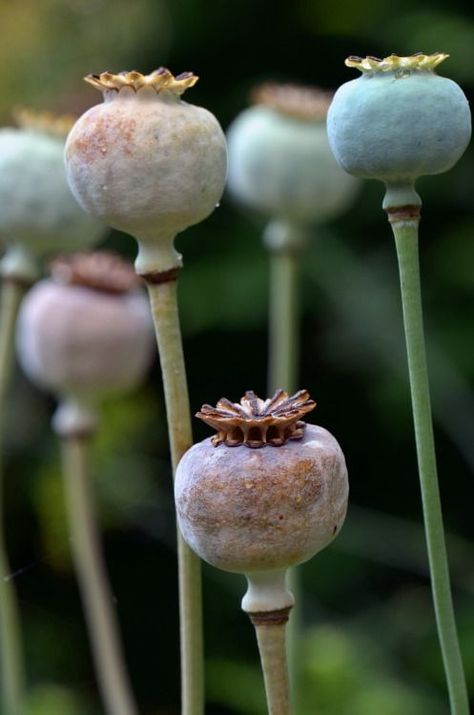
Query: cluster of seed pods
(268, 491)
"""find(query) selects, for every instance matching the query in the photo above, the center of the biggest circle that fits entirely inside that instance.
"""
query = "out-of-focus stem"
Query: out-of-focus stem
(405, 221)
(163, 298)
(286, 243)
(94, 585)
(11, 649)
(284, 321)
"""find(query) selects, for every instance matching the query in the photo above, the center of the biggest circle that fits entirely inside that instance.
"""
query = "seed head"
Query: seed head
(399, 120)
(280, 163)
(257, 510)
(146, 162)
(86, 331)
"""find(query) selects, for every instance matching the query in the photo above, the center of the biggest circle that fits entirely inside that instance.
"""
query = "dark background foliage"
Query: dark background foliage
(369, 639)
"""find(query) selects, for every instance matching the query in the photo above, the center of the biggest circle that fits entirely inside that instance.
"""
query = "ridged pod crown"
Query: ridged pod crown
(256, 422)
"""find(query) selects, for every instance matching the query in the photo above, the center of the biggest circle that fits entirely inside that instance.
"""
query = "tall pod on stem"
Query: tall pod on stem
(84, 334)
(281, 165)
(396, 122)
(38, 216)
(148, 163)
(267, 492)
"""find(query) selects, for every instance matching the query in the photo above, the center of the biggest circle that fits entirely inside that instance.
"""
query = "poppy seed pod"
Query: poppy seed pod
(86, 332)
(266, 493)
(146, 162)
(280, 162)
(399, 120)
(39, 214)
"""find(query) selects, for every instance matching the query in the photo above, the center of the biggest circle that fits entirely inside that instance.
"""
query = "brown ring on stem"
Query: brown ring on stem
(159, 277)
(403, 213)
(270, 618)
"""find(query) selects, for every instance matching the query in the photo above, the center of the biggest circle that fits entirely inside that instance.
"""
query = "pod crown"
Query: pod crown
(255, 422)
(159, 80)
(57, 125)
(293, 100)
(394, 63)
(99, 270)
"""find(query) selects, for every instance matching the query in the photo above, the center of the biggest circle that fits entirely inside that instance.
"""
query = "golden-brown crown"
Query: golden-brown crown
(159, 80)
(55, 124)
(293, 100)
(255, 422)
(394, 63)
(99, 270)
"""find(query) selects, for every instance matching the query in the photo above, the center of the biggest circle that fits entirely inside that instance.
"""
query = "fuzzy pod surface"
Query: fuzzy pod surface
(39, 213)
(85, 340)
(144, 161)
(399, 120)
(280, 162)
(251, 510)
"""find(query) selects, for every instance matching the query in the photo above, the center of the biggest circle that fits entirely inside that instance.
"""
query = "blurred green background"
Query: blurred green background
(370, 645)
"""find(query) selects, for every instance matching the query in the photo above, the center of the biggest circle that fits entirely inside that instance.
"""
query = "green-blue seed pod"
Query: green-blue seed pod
(38, 211)
(399, 120)
(280, 162)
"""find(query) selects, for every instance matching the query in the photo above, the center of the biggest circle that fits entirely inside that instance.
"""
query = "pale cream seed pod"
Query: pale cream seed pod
(259, 511)
(85, 333)
(146, 162)
(280, 162)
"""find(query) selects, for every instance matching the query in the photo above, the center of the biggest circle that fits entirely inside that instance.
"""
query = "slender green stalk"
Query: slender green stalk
(284, 321)
(163, 298)
(11, 650)
(95, 590)
(283, 359)
(406, 239)
(272, 647)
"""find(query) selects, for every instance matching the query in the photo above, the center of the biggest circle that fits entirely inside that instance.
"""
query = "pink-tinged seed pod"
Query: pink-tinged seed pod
(261, 510)
(86, 332)
(146, 162)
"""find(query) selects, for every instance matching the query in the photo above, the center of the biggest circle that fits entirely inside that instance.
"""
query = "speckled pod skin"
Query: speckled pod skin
(282, 166)
(258, 510)
(146, 162)
(38, 211)
(398, 124)
(74, 340)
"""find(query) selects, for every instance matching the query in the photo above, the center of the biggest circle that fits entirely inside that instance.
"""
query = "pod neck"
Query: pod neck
(75, 417)
(267, 592)
(157, 255)
(400, 194)
(19, 265)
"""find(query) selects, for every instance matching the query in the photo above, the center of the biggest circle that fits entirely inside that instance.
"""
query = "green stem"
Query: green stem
(95, 589)
(284, 321)
(405, 229)
(285, 243)
(11, 650)
(163, 298)
(272, 649)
